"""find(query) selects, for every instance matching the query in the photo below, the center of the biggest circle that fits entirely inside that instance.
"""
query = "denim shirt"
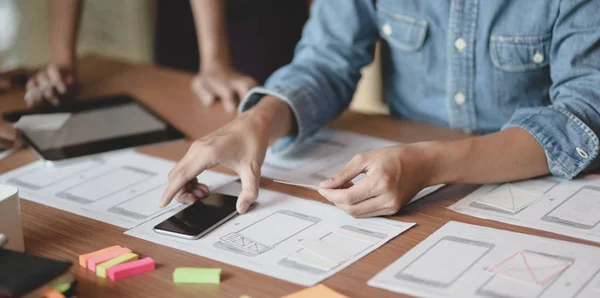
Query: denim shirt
(475, 65)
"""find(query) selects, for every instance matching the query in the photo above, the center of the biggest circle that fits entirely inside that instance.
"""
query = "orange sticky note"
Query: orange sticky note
(52, 293)
(84, 258)
(318, 291)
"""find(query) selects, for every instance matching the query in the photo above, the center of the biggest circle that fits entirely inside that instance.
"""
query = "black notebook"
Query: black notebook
(22, 273)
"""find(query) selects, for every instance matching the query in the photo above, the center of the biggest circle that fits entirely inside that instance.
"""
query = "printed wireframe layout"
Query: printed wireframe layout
(322, 150)
(580, 210)
(522, 277)
(470, 252)
(306, 261)
(45, 176)
(514, 197)
(103, 185)
(138, 207)
(266, 233)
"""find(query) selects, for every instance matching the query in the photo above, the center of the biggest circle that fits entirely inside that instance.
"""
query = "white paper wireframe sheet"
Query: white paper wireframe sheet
(268, 239)
(461, 260)
(121, 188)
(568, 207)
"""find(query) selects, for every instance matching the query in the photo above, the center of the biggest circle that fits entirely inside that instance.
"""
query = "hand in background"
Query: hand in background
(8, 135)
(224, 83)
(50, 85)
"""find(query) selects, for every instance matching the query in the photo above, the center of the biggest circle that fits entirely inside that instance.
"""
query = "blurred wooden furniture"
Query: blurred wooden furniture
(58, 234)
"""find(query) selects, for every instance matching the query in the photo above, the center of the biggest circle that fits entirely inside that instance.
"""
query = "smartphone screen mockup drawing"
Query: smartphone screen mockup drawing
(266, 233)
(502, 287)
(580, 210)
(450, 256)
(199, 218)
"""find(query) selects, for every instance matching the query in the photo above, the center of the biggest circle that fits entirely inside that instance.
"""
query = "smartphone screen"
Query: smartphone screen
(200, 217)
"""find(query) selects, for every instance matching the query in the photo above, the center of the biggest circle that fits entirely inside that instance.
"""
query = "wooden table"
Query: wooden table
(58, 234)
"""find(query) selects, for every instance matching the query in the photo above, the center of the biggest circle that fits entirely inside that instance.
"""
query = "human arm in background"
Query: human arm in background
(59, 79)
(217, 77)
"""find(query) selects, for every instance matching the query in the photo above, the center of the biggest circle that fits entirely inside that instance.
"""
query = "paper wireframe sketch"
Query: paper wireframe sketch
(269, 238)
(568, 207)
(121, 188)
(329, 152)
(43, 122)
(510, 197)
(461, 260)
(531, 267)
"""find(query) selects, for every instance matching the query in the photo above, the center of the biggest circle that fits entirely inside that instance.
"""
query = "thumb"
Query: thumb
(344, 176)
(250, 177)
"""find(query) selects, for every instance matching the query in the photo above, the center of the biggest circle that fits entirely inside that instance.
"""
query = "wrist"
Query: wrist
(440, 160)
(214, 62)
(274, 115)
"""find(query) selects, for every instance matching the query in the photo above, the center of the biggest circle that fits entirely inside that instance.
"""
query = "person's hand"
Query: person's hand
(240, 145)
(8, 135)
(224, 83)
(14, 78)
(394, 175)
(50, 85)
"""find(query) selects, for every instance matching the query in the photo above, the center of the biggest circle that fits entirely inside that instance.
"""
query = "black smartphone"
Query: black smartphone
(199, 218)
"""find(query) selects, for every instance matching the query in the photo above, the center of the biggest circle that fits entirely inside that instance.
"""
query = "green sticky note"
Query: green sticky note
(61, 286)
(197, 275)
(102, 268)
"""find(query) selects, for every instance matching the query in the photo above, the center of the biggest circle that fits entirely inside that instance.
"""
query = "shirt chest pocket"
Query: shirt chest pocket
(403, 60)
(521, 71)
(401, 31)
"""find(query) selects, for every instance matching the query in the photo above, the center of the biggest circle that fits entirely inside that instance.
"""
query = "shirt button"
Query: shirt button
(538, 58)
(460, 44)
(387, 29)
(582, 152)
(459, 98)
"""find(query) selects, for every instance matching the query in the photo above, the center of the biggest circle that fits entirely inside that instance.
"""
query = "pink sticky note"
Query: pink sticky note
(96, 260)
(131, 268)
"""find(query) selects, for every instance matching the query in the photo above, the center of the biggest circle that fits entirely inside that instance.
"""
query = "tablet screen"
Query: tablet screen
(92, 126)
(95, 125)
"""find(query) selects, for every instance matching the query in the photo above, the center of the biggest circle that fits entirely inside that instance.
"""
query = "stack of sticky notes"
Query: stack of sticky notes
(116, 262)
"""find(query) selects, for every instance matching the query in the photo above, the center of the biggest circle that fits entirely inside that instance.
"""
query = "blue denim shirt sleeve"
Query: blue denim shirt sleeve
(567, 129)
(337, 41)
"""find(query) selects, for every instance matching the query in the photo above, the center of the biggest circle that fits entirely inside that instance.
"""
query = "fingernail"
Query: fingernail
(244, 207)
(326, 182)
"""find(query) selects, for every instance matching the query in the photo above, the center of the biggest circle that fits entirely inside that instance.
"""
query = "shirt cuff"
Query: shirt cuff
(570, 145)
(300, 105)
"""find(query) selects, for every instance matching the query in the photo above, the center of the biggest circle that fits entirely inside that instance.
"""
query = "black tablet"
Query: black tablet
(96, 125)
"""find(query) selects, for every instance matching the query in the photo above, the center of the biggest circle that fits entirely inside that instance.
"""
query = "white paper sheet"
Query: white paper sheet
(268, 239)
(565, 207)
(43, 122)
(330, 152)
(461, 260)
(121, 188)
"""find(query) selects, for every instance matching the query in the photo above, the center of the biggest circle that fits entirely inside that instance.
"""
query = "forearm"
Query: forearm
(64, 24)
(209, 17)
(275, 115)
(509, 155)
